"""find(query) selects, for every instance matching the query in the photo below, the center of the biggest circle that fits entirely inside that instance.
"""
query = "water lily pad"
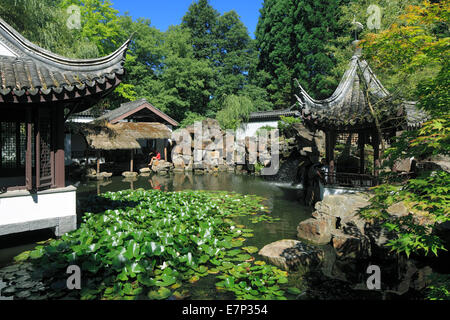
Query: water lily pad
(294, 290)
(22, 257)
(250, 249)
(161, 294)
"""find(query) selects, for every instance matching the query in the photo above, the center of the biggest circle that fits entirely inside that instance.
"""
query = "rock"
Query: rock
(162, 166)
(317, 231)
(351, 246)
(398, 210)
(403, 165)
(106, 175)
(144, 170)
(178, 163)
(332, 213)
(128, 174)
(291, 254)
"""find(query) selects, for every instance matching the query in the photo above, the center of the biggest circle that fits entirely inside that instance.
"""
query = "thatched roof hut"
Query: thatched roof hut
(121, 136)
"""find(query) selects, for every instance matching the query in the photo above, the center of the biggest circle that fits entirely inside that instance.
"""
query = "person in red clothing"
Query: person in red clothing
(157, 157)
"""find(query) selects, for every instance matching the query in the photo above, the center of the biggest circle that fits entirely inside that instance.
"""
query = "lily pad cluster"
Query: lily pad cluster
(152, 244)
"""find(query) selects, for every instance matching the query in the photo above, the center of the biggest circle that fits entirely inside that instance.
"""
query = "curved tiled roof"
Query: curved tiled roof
(32, 74)
(273, 114)
(348, 107)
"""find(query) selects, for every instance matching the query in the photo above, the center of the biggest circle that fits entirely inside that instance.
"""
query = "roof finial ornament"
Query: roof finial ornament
(358, 27)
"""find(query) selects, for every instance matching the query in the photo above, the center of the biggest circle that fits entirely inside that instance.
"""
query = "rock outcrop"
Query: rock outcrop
(292, 254)
(162, 167)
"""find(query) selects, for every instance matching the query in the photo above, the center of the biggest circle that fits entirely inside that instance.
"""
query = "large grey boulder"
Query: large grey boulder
(292, 254)
(333, 211)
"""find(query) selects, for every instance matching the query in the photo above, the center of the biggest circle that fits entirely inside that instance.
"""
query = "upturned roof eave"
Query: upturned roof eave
(26, 49)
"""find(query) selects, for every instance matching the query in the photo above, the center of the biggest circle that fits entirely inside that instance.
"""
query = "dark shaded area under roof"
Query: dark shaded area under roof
(32, 74)
(136, 110)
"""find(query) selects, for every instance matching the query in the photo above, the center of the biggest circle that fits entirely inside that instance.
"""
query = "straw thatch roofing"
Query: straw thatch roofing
(143, 130)
(122, 136)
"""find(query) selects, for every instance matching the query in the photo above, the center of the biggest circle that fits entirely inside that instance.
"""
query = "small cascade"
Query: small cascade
(288, 171)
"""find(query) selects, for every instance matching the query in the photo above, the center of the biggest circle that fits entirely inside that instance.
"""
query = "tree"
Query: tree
(292, 36)
(236, 109)
(184, 82)
(201, 19)
(223, 41)
(99, 24)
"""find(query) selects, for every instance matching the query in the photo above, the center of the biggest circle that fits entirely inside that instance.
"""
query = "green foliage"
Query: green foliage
(224, 42)
(428, 200)
(254, 282)
(191, 118)
(292, 36)
(286, 123)
(236, 109)
(265, 128)
(419, 42)
(99, 24)
(440, 287)
(150, 244)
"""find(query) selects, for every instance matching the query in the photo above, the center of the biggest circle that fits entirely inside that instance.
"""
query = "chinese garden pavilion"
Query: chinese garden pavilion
(350, 111)
(38, 91)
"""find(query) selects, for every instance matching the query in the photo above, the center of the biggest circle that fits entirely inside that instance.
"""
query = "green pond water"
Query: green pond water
(281, 198)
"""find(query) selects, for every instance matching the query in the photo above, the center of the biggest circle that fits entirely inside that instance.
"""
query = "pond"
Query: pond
(281, 199)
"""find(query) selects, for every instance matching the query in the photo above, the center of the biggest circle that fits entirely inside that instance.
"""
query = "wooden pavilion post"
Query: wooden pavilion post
(376, 153)
(361, 146)
(132, 161)
(60, 179)
(28, 154)
(98, 162)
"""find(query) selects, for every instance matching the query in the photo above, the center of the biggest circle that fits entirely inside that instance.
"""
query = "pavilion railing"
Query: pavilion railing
(350, 180)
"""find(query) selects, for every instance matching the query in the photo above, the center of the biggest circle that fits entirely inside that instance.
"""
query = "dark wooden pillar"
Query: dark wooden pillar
(376, 153)
(361, 145)
(37, 142)
(18, 142)
(60, 172)
(29, 151)
(330, 143)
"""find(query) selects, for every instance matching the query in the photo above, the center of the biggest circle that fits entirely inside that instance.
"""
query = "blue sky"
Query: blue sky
(170, 12)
